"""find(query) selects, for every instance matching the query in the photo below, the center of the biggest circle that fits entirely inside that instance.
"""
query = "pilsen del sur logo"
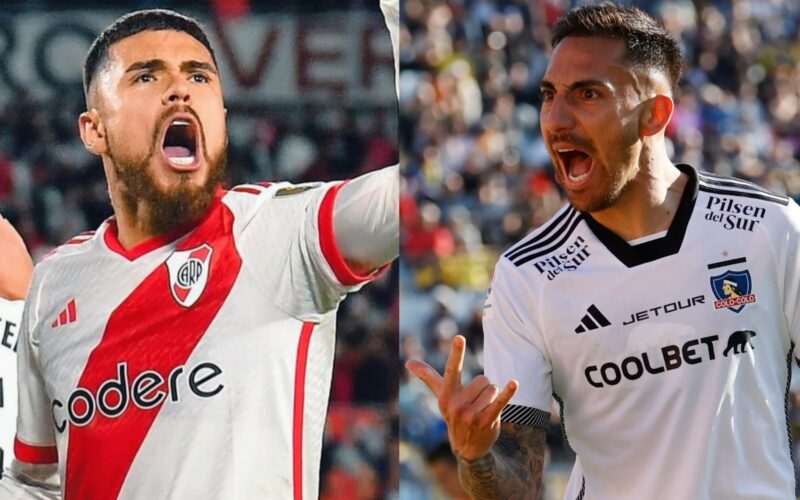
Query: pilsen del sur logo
(188, 274)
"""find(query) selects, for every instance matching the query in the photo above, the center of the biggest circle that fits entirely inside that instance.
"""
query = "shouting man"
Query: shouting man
(185, 348)
(650, 403)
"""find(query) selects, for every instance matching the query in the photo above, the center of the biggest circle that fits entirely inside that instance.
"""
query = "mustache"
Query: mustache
(572, 139)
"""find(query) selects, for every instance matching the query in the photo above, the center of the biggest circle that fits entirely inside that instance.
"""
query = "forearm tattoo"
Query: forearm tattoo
(513, 468)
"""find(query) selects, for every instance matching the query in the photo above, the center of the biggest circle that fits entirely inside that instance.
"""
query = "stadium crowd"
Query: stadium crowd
(51, 188)
(477, 176)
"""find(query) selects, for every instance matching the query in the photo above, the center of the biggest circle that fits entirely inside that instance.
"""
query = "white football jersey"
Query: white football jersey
(193, 368)
(670, 359)
(10, 314)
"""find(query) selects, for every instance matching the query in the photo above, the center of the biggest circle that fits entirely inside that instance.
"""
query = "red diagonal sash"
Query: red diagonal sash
(148, 331)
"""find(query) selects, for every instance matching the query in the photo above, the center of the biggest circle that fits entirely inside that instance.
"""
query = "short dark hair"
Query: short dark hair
(648, 44)
(133, 23)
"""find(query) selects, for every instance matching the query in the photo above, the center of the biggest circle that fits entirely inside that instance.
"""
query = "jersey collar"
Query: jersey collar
(111, 234)
(655, 249)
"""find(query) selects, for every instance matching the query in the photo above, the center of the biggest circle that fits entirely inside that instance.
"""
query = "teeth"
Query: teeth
(565, 150)
(180, 122)
(578, 178)
(184, 160)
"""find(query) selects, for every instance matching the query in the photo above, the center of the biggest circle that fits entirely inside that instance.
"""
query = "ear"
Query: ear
(656, 116)
(93, 133)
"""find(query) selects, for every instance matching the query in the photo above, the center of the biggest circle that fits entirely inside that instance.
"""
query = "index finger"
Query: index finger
(452, 370)
(427, 374)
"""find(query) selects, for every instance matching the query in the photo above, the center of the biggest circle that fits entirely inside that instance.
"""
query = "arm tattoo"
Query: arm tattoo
(512, 469)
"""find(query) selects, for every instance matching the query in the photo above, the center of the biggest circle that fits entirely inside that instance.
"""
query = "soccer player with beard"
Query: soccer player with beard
(185, 348)
(15, 276)
(651, 399)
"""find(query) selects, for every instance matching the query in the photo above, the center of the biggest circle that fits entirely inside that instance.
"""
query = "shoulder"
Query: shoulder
(714, 185)
(246, 197)
(744, 204)
(546, 239)
(78, 244)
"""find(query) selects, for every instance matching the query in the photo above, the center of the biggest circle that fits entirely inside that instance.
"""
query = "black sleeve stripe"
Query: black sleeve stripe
(525, 415)
(747, 194)
(737, 184)
(537, 240)
(582, 493)
(733, 182)
(566, 234)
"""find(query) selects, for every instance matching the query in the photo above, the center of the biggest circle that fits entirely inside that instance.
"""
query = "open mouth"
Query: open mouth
(577, 164)
(180, 144)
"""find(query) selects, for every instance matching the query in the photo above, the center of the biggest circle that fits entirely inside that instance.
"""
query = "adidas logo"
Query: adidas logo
(67, 315)
(592, 318)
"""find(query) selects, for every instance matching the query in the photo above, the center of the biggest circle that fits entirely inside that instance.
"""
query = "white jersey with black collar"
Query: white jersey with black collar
(670, 359)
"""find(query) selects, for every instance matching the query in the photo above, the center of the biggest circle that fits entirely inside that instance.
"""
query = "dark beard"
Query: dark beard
(606, 199)
(163, 211)
(167, 210)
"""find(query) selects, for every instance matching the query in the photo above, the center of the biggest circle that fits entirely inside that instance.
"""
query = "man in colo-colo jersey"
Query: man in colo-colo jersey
(184, 349)
(659, 308)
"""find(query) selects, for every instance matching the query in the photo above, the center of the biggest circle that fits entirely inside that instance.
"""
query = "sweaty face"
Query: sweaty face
(160, 101)
(590, 120)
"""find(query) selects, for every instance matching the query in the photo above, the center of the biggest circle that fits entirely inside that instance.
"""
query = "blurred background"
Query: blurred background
(477, 176)
(309, 91)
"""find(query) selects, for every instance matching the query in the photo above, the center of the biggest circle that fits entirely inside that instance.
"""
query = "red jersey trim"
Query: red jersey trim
(111, 235)
(299, 401)
(255, 188)
(32, 454)
(245, 189)
(327, 241)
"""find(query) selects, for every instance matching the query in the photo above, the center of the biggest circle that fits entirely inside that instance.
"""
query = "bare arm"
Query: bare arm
(16, 266)
(512, 469)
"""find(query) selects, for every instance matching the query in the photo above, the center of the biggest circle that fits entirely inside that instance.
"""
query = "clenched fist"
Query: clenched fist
(472, 411)
(16, 266)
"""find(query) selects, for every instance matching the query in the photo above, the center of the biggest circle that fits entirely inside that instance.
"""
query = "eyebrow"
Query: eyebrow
(159, 64)
(546, 85)
(195, 65)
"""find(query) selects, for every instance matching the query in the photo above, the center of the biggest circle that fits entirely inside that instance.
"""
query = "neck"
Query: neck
(131, 230)
(648, 202)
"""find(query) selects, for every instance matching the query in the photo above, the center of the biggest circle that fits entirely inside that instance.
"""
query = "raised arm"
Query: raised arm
(366, 215)
(366, 220)
(496, 460)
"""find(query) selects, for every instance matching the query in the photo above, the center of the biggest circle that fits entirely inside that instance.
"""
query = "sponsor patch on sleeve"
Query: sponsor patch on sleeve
(300, 188)
(488, 312)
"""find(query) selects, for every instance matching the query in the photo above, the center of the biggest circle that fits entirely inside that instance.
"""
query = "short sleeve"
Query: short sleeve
(789, 247)
(289, 245)
(35, 442)
(513, 348)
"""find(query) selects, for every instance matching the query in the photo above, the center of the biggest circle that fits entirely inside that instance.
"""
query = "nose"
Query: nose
(177, 92)
(556, 116)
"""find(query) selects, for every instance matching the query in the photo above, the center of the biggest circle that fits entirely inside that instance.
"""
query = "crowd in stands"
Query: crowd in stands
(477, 176)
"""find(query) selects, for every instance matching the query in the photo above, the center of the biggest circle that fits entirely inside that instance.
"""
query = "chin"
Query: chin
(591, 202)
